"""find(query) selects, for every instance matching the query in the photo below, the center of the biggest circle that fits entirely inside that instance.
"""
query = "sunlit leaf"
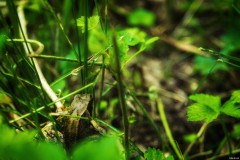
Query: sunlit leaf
(206, 109)
(214, 102)
(107, 148)
(190, 137)
(199, 112)
(156, 154)
(103, 105)
(59, 86)
(97, 40)
(151, 40)
(236, 131)
(236, 95)
(92, 22)
(132, 36)
(4, 99)
(23, 146)
(232, 106)
(152, 154)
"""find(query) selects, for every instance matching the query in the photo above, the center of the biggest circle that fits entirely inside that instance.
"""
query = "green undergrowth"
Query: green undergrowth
(50, 52)
(23, 145)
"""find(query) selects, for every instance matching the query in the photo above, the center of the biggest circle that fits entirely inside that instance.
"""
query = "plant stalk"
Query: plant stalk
(167, 129)
(199, 134)
(121, 94)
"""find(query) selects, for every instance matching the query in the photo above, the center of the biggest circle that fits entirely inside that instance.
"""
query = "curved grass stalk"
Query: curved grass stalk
(133, 56)
(167, 129)
(30, 41)
(28, 50)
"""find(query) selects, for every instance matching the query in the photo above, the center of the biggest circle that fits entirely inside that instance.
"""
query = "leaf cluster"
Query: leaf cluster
(23, 145)
(207, 107)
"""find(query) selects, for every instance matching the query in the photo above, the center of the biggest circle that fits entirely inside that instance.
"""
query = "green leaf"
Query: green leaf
(49, 151)
(152, 94)
(236, 95)
(214, 102)
(132, 119)
(107, 148)
(190, 137)
(232, 106)
(236, 131)
(35, 5)
(131, 36)
(156, 154)
(64, 66)
(170, 157)
(4, 99)
(151, 40)
(22, 145)
(198, 112)
(97, 40)
(141, 17)
(103, 105)
(59, 86)
(152, 154)
(206, 109)
(92, 22)
(125, 38)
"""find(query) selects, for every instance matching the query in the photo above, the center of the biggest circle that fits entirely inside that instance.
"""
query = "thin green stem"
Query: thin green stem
(85, 41)
(199, 134)
(220, 146)
(101, 85)
(152, 123)
(167, 129)
(49, 57)
(133, 56)
(227, 135)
